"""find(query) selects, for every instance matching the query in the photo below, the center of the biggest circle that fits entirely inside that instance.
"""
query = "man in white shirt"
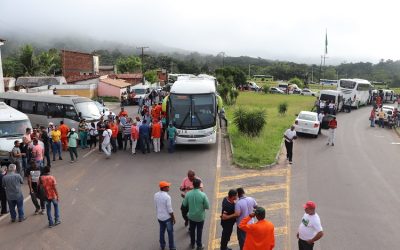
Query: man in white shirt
(310, 229)
(320, 118)
(165, 215)
(289, 136)
(106, 144)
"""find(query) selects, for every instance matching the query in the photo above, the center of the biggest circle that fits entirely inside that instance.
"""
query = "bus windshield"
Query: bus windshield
(192, 111)
(88, 110)
(13, 128)
(347, 84)
(140, 91)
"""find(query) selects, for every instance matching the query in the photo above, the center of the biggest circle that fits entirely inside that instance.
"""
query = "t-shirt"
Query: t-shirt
(320, 117)
(163, 204)
(245, 206)
(35, 174)
(171, 132)
(106, 136)
(197, 202)
(290, 134)
(228, 208)
(156, 130)
(72, 140)
(38, 152)
(55, 135)
(15, 150)
(49, 184)
(144, 130)
(12, 183)
(309, 227)
(114, 130)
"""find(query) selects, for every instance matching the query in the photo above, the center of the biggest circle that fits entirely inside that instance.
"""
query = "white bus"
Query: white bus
(12, 127)
(358, 90)
(192, 106)
(43, 109)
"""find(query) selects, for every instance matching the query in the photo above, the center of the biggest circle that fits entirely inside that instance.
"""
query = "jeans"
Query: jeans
(167, 225)
(331, 136)
(120, 141)
(196, 230)
(241, 236)
(47, 156)
(72, 152)
(56, 211)
(107, 149)
(372, 122)
(184, 211)
(113, 141)
(171, 145)
(39, 164)
(83, 138)
(145, 143)
(126, 139)
(303, 245)
(56, 149)
(24, 163)
(20, 206)
(34, 198)
(3, 200)
(381, 123)
(289, 150)
(227, 228)
(93, 141)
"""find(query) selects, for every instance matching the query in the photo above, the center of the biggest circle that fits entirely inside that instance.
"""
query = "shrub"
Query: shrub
(250, 122)
(297, 81)
(265, 89)
(282, 108)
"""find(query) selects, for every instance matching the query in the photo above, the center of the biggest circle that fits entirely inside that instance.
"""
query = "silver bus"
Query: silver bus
(43, 109)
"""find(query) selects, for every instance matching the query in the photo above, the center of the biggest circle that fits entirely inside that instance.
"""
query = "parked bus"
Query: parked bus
(192, 106)
(332, 96)
(358, 90)
(43, 109)
(12, 127)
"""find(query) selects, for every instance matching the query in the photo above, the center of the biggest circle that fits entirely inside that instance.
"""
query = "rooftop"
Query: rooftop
(116, 83)
(73, 79)
(128, 76)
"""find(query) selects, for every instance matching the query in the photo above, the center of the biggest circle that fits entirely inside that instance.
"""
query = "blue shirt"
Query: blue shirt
(144, 130)
(171, 132)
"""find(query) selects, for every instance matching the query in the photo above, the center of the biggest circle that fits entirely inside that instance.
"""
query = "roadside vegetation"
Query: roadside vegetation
(261, 150)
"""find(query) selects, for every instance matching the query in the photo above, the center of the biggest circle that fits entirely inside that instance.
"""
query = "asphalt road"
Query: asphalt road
(354, 183)
(108, 204)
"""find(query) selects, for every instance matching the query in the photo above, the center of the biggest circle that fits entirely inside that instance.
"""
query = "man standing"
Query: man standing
(72, 144)
(56, 138)
(127, 132)
(381, 116)
(372, 117)
(228, 218)
(3, 196)
(38, 153)
(259, 235)
(12, 184)
(320, 118)
(16, 158)
(33, 175)
(144, 135)
(165, 215)
(114, 135)
(197, 202)
(106, 145)
(134, 136)
(221, 116)
(332, 130)
(243, 208)
(171, 134)
(156, 134)
(310, 229)
(46, 142)
(186, 186)
(101, 127)
(83, 132)
(289, 135)
(64, 129)
(52, 197)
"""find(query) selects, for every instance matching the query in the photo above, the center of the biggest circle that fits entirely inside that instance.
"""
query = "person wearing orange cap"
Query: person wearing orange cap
(310, 229)
(259, 235)
(165, 215)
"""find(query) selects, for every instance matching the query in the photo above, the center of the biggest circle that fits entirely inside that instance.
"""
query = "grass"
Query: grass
(255, 152)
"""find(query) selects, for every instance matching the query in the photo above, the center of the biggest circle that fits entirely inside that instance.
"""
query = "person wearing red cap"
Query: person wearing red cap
(165, 215)
(310, 229)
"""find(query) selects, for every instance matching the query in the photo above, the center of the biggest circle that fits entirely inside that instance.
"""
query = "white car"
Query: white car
(307, 123)
(274, 90)
(388, 110)
(308, 92)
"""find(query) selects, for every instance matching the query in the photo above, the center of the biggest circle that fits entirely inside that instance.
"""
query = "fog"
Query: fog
(284, 30)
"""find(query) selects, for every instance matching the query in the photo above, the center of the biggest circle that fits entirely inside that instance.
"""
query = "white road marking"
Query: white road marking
(9, 214)
(88, 153)
(395, 143)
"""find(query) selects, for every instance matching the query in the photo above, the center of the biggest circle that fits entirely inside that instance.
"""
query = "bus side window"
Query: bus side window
(27, 107)
(14, 104)
(70, 112)
(55, 110)
(41, 108)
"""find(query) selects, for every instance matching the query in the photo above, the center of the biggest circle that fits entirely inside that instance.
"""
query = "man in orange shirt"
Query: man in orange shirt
(259, 235)
(122, 113)
(156, 134)
(64, 132)
(114, 135)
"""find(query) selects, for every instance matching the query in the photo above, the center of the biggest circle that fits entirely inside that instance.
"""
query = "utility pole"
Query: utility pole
(249, 72)
(2, 41)
(142, 49)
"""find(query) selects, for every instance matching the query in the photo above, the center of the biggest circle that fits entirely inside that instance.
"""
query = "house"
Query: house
(9, 83)
(131, 78)
(78, 64)
(107, 70)
(37, 81)
(112, 87)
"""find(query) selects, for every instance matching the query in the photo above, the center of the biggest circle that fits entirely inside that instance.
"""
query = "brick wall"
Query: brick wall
(76, 63)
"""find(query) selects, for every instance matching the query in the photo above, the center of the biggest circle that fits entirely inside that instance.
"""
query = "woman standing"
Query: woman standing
(72, 144)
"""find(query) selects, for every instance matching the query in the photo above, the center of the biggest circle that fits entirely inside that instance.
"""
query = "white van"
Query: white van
(13, 124)
(141, 91)
(332, 95)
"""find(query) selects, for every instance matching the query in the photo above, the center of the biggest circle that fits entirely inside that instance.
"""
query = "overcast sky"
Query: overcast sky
(287, 29)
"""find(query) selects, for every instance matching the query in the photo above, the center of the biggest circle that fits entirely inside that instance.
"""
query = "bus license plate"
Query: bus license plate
(192, 140)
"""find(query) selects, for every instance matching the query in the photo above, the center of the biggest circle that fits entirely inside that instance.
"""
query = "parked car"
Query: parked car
(104, 110)
(295, 91)
(388, 110)
(308, 92)
(307, 123)
(274, 90)
(253, 86)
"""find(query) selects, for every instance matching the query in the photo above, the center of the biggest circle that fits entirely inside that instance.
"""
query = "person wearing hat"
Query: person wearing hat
(310, 229)
(332, 130)
(259, 235)
(72, 144)
(165, 215)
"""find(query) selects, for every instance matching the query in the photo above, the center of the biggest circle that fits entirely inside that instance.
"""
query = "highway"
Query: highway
(354, 183)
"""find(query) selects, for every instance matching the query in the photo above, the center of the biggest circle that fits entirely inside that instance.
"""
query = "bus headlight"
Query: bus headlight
(209, 133)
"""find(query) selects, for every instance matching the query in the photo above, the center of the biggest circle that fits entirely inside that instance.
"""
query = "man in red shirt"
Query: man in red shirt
(51, 196)
(156, 134)
(64, 129)
(122, 113)
(332, 130)
(114, 135)
(259, 235)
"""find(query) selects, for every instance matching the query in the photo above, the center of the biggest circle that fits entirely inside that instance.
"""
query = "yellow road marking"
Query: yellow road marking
(268, 208)
(277, 172)
(279, 231)
(257, 189)
(288, 237)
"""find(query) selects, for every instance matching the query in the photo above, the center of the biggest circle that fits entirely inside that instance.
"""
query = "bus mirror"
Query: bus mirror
(80, 115)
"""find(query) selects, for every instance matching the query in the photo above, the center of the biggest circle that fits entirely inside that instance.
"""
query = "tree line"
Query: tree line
(29, 61)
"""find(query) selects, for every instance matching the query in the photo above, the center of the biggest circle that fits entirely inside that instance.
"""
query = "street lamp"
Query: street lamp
(1, 68)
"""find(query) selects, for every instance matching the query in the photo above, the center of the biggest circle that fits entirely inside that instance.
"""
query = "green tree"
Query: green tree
(12, 67)
(49, 63)
(128, 64)
(151, 76)
(28, 60)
